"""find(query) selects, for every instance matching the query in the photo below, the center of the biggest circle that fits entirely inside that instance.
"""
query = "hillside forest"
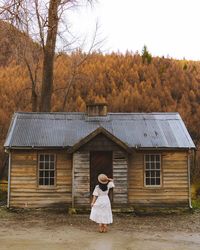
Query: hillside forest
(131, 82)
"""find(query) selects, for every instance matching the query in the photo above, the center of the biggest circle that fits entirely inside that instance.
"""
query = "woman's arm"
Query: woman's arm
(93, 200)
(111, 183)
(109, 179)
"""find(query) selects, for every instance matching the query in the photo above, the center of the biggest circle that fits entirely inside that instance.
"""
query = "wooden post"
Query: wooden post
(9, 177)
(73, 181)
(189, 189)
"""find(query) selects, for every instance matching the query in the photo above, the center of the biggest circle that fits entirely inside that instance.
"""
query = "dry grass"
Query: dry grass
(3, 190)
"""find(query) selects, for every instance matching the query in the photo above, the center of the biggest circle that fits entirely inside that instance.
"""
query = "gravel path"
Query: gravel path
(40, 229)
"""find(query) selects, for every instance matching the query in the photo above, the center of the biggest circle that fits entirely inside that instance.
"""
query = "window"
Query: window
(46, 170)
(152, 170)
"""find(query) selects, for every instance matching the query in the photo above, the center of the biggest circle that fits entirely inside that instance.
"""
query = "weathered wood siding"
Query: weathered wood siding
(81, 178)
(81, 162)
(24, 190)
(128, 173)
(120, 168)
(174, 189)
(100, 143)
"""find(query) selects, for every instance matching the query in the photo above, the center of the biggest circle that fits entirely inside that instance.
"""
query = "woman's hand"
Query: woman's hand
(93, 200)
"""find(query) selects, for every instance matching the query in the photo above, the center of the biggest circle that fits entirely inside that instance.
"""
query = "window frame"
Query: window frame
(38, 172)
(153, 186)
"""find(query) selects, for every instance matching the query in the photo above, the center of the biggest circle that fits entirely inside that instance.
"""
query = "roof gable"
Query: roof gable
(96, 132)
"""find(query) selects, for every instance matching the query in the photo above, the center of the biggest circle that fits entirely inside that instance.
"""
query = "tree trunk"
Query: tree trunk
(34, 97)
(34, 101)
(49, 52)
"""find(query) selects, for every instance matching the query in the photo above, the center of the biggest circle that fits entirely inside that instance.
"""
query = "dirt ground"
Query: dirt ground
(56, 230)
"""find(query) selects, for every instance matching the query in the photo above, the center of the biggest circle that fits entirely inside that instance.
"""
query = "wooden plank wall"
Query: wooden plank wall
(81, 161)
(120, 166)
(81, 179)
(100, 143)
(175, 188)
(24, 189)
(25, 192)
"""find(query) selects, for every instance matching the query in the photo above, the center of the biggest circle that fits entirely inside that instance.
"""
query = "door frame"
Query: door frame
(91, 168)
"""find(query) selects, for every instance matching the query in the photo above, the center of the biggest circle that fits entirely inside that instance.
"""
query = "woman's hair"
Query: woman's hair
(103, 187)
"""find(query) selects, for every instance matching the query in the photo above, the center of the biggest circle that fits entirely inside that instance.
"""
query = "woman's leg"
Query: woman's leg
(100, 228)
(105, 228)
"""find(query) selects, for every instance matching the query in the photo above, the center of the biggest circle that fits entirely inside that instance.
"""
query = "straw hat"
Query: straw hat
(103, 179)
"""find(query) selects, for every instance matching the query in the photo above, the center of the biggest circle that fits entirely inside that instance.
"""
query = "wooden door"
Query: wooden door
(100, 163)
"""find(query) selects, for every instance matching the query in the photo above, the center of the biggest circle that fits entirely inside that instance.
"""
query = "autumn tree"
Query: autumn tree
(146, 56)
(123, 81)
(40, 20)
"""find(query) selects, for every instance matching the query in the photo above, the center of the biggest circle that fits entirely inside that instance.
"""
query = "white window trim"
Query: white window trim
(152, 186)
(38, 172)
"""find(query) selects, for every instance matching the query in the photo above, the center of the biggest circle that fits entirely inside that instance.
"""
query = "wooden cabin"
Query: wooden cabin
(55, 158)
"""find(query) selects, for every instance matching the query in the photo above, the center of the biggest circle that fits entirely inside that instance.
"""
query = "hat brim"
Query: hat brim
(103, 182)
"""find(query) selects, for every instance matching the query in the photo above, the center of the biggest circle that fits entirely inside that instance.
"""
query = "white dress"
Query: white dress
(101, 211)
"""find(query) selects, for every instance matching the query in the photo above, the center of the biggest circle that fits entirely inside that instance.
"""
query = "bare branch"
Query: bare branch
(39, 23)
(42, 21)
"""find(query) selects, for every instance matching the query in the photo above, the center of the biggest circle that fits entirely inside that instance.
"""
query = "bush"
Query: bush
(195, 190)
(196, 204)
(3, 190)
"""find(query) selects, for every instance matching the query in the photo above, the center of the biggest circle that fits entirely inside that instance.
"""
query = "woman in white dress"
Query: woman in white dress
(101, 211)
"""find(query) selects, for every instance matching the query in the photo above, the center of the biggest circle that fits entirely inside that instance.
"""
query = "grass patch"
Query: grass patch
(196, 196)
(195, 190)
(196, 203)
(3, 195)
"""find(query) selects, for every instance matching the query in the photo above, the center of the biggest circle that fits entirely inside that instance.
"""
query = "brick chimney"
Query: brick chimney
(96, 109)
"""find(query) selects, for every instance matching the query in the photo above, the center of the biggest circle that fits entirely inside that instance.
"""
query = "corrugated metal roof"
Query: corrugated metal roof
(145, 130)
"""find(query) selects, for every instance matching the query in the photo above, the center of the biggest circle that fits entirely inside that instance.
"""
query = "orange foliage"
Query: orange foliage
(123, 81)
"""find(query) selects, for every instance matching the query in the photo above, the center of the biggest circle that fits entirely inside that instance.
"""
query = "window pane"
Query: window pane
(51, 165)
(153, 181)
(152, 165)
(41, 174)
(52, 181)
(41, 165)
(157, 157)
(153, 174)
(46, 181)
(157, 165)
(158, 181)
(46, 174)
(147, 165)
(147, 173)
(147, 181)
(40, 181)
(157, 173)
(146, 157)
(41, 157)
(51, 174)
(46, 157)
(152, 157)
(46, 165)
(52, 158)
